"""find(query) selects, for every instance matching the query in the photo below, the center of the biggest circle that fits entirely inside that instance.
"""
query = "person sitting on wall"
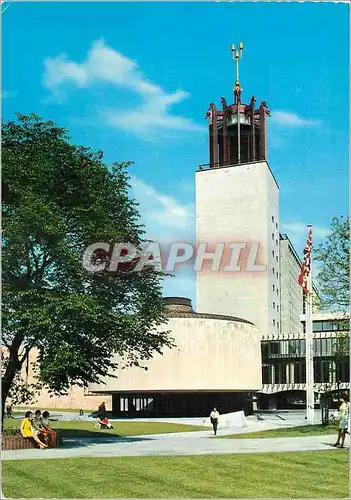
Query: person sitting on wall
(37, 424)
(28, 432)
(46, 429)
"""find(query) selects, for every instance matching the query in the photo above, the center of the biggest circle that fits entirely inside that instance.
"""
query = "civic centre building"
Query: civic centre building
(242, 345)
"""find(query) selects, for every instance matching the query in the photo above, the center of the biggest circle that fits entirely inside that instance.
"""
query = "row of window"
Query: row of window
(324, 372)
(331, 326)
(297, 347)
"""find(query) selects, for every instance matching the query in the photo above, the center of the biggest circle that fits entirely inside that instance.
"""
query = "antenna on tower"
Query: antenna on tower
(237, 56)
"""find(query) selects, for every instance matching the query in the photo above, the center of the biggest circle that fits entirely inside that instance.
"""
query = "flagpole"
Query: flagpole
(309, 344)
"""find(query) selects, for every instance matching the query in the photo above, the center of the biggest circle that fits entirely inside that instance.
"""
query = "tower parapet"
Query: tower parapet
(238, 132)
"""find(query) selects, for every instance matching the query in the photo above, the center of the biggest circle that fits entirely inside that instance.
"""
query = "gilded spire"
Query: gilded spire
(237, 56)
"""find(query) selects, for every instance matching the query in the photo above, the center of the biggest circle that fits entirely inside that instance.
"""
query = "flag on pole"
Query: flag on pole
(306, 265)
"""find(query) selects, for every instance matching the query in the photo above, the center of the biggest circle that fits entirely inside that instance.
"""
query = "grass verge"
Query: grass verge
(270, 475)
(78, 428)
(303, 431)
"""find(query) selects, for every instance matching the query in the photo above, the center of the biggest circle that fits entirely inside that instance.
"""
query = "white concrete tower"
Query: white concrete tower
(237, 201)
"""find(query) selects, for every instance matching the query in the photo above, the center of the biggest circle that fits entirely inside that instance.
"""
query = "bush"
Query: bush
(11, 431)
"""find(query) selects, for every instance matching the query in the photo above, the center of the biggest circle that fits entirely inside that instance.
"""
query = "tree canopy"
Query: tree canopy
(57, 199)
(334, 258)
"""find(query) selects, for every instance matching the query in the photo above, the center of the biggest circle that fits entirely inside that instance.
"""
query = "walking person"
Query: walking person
(9, 412)
(344, 411)
(102, 411)
(214, 417)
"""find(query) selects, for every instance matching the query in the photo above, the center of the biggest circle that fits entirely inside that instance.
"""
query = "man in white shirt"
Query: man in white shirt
(214, 417)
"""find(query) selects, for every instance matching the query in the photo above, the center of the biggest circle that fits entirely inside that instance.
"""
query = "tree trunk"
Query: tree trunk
(13, 367)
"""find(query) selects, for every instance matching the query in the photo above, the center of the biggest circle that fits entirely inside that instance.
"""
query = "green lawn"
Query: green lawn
(78, 428)
(22, 409)
(271, 475)
(306, 430)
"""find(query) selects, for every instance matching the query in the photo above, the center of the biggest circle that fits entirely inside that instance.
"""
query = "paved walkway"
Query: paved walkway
(188, 443)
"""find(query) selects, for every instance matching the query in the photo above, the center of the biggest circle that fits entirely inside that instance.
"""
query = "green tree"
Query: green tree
(334, 258)
(57, 199)
(333, 284)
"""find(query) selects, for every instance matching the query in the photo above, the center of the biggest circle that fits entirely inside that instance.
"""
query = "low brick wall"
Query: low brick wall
(18, 442)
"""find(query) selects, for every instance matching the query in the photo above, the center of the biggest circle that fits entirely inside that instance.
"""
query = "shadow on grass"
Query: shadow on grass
(81, 438)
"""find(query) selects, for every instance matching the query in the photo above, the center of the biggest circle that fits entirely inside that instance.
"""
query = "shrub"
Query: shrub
(11, 431)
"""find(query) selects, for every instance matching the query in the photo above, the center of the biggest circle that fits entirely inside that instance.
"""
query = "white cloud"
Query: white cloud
(165, 217)
(167, 220)
(104, 65)
(292, 119)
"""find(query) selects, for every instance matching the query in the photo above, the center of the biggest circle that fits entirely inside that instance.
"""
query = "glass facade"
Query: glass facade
(283, 361)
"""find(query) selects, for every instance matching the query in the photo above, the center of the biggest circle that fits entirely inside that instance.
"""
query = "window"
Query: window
(300, 372)
(277, 258)
(276, 242)
(273, 236)
(273, 288)
(273, 305)
(273, 270)
(266, 374)
(265, 350)
(273, 253)
(280, 373)
(322, 370)
(318, 326)
(273, 322)
(274, 348)
(329, 326)
(344, 370)
(277, 291)
(272, 218)
(276, 225)
(277, 308)
(277, 324)
(277, 275)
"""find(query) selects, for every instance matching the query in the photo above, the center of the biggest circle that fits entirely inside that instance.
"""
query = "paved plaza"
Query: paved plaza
(184, 443)
(188, 443)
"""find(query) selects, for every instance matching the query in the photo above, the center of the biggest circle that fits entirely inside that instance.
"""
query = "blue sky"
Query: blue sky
(135, 80)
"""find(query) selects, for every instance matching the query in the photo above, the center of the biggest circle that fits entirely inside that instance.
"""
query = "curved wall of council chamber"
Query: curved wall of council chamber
(212, 353)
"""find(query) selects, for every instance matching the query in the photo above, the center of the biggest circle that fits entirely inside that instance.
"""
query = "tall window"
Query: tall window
(280, 373)
(300, 372)
(266, 374)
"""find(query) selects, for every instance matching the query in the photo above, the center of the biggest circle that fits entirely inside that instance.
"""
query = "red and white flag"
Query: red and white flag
(306, 265)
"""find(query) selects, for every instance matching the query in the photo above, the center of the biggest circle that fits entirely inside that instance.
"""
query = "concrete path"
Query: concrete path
(172, 444)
